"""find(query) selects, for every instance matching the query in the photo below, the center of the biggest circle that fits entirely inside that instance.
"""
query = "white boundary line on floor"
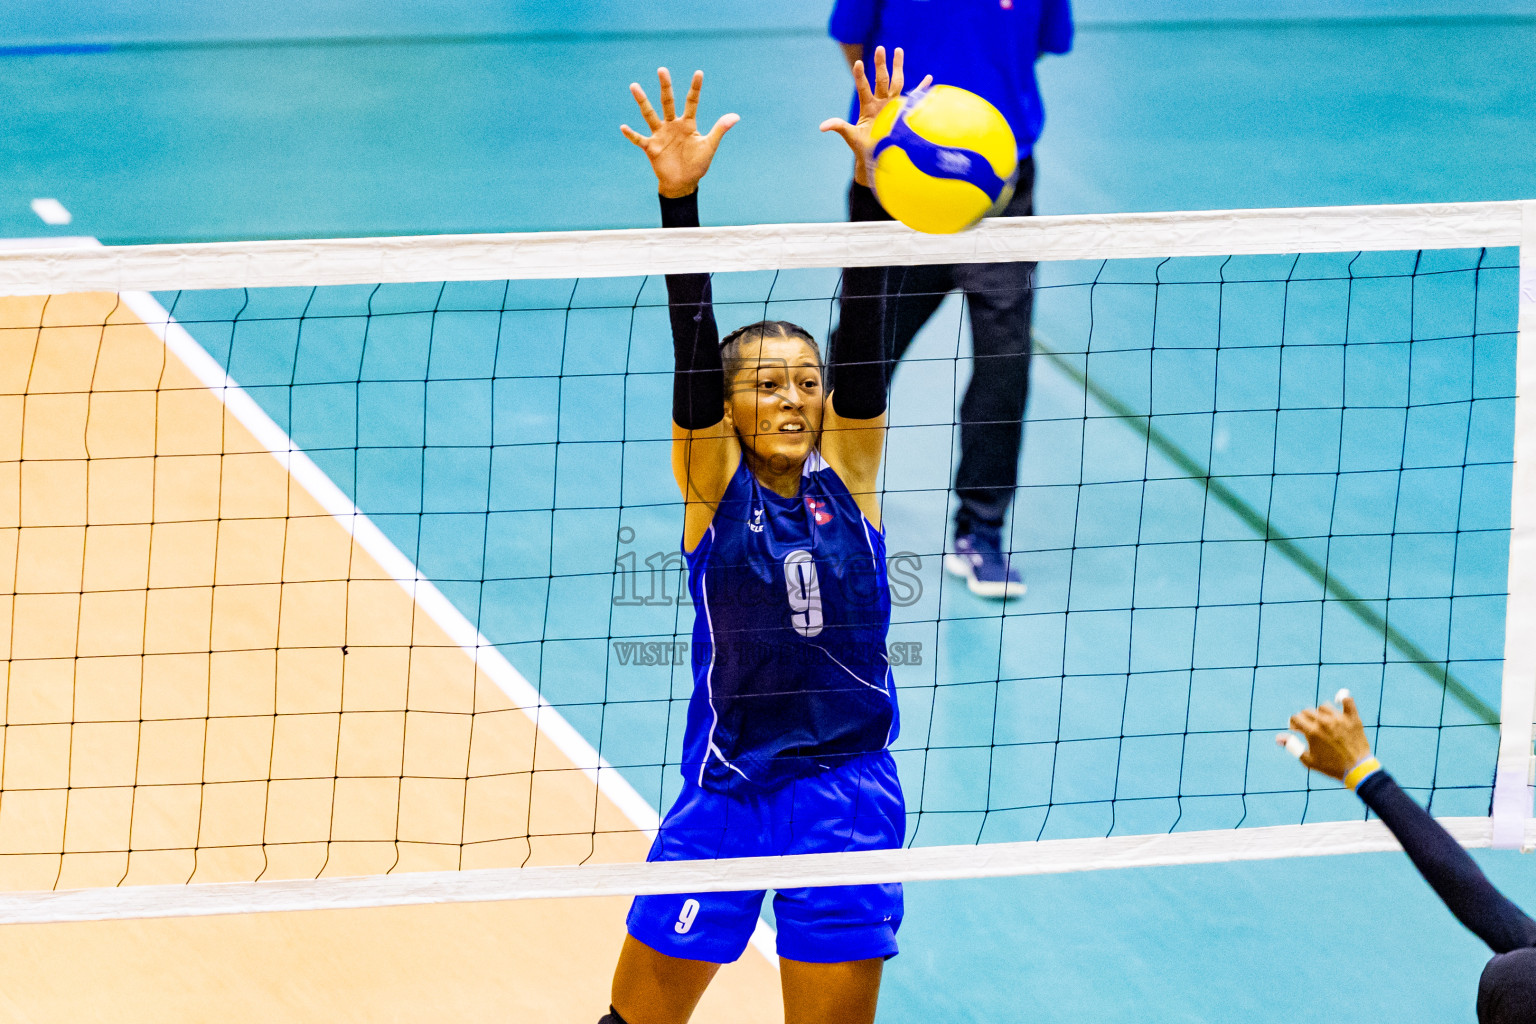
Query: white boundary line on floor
(932, 863)
(633, 253)
(547, 721)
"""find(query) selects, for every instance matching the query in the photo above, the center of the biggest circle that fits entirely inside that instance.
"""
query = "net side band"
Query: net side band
(1512, 795)
(633, 253)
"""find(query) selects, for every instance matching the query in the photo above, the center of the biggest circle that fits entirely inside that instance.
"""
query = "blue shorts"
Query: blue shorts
(855, 806)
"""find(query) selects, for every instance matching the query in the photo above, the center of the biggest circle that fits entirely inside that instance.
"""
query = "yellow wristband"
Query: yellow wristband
(1358, 773)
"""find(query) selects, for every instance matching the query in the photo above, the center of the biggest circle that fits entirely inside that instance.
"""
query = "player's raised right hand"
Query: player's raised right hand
(679, 155)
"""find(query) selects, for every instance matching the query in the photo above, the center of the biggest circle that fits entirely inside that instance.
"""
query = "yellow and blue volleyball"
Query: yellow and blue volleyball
(943, 159)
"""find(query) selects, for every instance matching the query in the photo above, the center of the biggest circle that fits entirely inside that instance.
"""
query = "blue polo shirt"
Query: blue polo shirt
(987, 46)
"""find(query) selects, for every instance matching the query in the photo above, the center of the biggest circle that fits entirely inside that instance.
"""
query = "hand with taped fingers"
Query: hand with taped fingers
(679, 155)
(872, 100)
(1335, 738)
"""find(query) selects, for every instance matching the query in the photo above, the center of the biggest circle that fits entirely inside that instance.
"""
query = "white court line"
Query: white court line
(312, 478)
(51, 211)
(634, 253)
(55, 242)
(546, 719)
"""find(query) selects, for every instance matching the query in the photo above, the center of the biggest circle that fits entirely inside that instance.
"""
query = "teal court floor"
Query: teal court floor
(1137, 686)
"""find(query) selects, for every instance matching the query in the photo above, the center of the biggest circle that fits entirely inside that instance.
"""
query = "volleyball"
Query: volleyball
(943, 159)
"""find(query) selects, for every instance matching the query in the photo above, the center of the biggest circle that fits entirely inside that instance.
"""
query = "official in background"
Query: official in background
(988, 47)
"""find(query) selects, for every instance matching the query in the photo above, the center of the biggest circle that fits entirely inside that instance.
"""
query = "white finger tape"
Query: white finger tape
(1292, 744)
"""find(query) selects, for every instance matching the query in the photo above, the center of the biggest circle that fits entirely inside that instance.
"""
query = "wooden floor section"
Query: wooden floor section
(208, 680)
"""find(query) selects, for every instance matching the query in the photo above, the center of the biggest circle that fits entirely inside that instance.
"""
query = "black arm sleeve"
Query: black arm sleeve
(859, 367)
(1453, 875)
(698, 378)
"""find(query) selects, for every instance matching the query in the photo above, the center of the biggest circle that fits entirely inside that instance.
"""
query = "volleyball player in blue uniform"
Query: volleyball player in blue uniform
(793, 709)
(1337, 747)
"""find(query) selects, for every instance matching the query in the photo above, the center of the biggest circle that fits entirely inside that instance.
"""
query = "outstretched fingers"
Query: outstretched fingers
(678, 154)
(861, 86)
(668, 104)
(843, 128)
(691, 101)
(896, 75)
(725, 124)
(646, 110)
(882, 78)
(849, 132)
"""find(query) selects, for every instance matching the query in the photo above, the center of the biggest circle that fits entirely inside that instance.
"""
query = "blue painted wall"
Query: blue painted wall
(51, 22)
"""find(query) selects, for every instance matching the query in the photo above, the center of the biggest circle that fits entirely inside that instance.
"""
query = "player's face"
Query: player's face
(775, 401)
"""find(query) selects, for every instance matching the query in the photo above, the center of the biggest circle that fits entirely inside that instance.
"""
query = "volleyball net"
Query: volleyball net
(346, 572)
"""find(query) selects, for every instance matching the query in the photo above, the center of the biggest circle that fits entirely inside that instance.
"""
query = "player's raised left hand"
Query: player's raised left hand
(872, 99)
(679, 155)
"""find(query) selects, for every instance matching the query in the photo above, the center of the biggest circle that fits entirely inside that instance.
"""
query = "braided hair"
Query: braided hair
(762, 330)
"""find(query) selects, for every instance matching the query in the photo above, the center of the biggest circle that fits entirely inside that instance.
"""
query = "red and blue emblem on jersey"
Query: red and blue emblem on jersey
(818, 511)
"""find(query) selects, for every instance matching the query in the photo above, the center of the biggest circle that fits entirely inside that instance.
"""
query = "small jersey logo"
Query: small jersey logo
(818, 510)
(756, 524)
(1007, 4)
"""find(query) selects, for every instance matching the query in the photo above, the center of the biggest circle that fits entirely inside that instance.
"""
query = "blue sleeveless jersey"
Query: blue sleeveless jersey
(791, 609)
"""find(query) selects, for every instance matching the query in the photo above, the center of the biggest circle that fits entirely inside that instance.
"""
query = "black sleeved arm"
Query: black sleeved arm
(698, 378)
(1448, 869)
(860, 371)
